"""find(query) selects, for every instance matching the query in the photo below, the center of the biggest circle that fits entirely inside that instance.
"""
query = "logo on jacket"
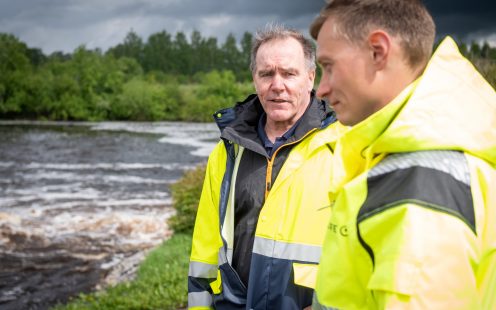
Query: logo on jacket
(338, 229)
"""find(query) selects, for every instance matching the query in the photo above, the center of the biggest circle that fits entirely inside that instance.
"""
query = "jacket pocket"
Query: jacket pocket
(305, 274)
(216, 285)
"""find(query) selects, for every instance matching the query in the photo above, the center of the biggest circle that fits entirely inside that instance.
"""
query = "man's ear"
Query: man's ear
(311, 77)
(379, 43)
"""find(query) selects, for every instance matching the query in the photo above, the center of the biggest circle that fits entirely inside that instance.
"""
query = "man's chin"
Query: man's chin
(278, 117)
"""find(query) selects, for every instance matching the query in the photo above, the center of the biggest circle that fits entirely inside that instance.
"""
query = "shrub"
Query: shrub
(186, 195)
(145, 101)
(215, 90)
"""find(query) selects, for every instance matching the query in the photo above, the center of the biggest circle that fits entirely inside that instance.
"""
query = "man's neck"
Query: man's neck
(277, 129)
(398, 82)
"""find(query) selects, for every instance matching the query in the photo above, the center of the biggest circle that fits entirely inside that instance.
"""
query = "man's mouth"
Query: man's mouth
(278, 100)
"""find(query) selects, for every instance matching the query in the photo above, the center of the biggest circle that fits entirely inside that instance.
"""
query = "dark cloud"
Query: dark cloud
(474, 7)
(281, 8)
(463, 19)
(65, 24)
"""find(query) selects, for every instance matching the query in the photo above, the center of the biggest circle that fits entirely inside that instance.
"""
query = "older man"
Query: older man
(264, 204)
(413, 223)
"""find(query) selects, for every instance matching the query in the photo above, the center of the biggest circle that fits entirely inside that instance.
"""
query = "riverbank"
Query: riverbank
(160, 283)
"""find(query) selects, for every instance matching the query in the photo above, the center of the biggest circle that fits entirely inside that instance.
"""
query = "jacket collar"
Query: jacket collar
(239, 123)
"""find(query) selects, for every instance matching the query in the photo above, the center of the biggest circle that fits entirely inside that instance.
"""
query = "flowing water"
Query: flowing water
(81, 203)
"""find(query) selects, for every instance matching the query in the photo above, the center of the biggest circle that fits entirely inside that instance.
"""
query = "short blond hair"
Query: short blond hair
(407, 20)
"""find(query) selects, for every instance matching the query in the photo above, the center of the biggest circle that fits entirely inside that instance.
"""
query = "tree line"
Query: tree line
(166, 77)
(163, 79)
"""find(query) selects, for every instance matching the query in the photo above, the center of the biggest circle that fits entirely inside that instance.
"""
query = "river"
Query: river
(82, 203)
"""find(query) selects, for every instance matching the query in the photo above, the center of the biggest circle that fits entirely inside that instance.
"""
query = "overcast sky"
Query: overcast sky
(63, 25)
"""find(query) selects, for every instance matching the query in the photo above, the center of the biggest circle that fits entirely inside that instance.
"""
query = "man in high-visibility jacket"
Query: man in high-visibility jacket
(413, 222)
(264, 204)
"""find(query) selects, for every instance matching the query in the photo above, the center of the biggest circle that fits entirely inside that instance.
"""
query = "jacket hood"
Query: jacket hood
(451, 107)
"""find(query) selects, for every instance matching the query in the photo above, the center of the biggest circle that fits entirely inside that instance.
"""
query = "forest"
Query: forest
(165, 77)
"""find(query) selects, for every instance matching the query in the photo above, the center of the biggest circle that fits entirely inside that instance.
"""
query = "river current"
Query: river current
(81, 203)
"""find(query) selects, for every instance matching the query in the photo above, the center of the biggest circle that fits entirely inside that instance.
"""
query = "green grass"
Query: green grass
(161, 282)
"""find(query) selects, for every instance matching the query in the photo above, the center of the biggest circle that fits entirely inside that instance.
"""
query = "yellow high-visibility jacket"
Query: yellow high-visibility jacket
(288, 237)
(413, 224)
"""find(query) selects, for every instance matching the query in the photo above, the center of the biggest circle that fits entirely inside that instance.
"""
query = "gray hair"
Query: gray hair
(274, 31)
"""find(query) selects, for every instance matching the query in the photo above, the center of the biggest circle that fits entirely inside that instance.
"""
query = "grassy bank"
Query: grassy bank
(161, 282)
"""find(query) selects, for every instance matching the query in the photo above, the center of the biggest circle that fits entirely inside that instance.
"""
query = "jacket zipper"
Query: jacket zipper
(270, 163)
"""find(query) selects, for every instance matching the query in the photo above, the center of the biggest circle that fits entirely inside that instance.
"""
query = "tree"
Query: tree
(485, 50)
(157, 54)
(246, 42)
(475, 50)
(13, 55)
(14, 67)
(231, 56)
(463, 48)
(131, 47)
(36, 56)
(210, 54)
(182, 55)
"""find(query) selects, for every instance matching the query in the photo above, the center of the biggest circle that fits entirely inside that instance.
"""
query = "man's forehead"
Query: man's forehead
(281, 46)
(281, 58)
(273, 67)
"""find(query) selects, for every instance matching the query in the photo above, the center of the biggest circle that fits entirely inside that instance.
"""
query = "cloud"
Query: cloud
(465, 20)
(65, 24)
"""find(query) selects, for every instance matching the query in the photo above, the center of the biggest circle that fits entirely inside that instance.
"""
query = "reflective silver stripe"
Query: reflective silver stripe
(199, 299)
(228, 225)
(202, 270)
(225, 256)
(229, 254)
(452, 162)
(284, 250)
(316, 305)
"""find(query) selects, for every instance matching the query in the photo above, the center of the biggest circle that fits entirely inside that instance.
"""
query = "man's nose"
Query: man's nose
(277, 83)
(324, 90)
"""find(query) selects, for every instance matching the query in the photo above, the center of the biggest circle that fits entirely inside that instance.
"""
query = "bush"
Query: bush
(145, 101)
(186, 195)
(215, 90)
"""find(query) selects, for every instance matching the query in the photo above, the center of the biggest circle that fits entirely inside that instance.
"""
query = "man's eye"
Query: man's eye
(327, 67)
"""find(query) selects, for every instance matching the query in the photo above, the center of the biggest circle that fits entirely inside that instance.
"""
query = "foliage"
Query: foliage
(143, 100)
(161, 282)
(186, 195)
(167, 77)
(178, 54)
(215, 91)
(132, 81)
